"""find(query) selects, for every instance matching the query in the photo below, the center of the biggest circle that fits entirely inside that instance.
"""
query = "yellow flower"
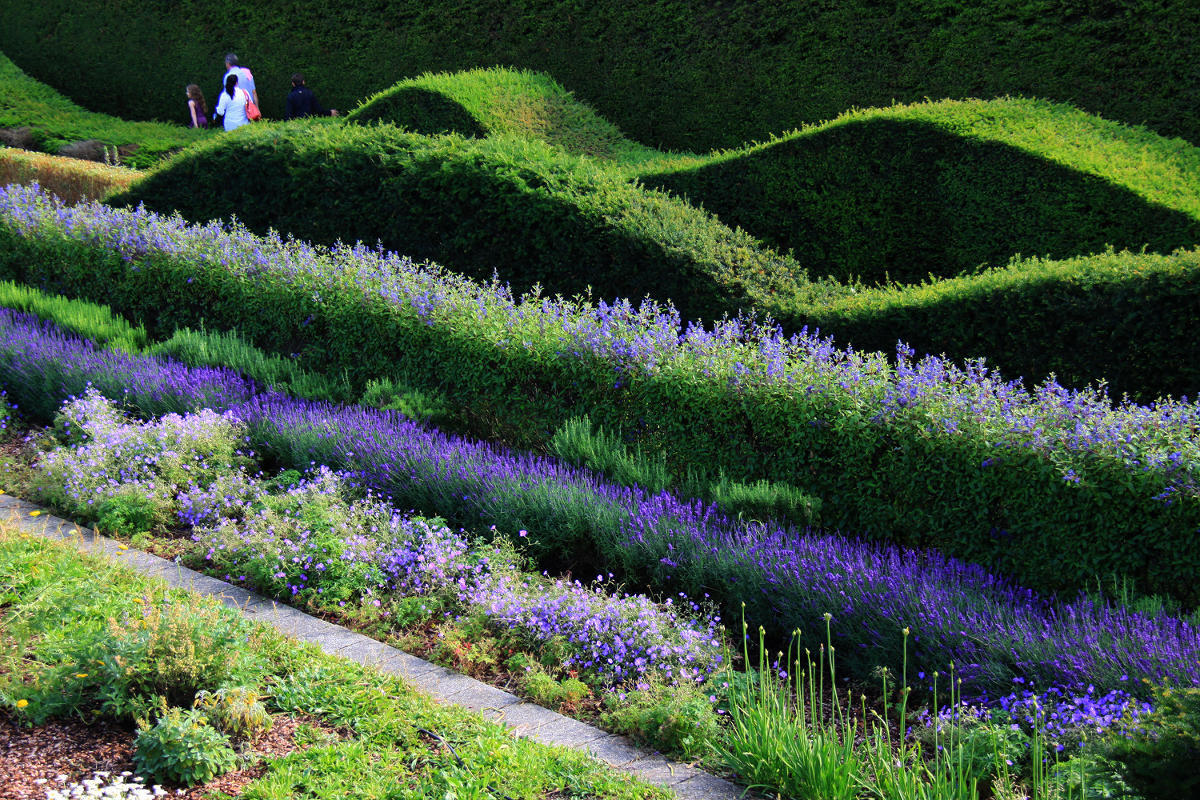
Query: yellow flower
(81, 674)
(122, 547)
(22, 703)
(34, 513)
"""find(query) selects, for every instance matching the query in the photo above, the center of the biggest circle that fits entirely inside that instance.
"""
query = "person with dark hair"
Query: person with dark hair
(301, 102)
(197, 108)
(232, 105)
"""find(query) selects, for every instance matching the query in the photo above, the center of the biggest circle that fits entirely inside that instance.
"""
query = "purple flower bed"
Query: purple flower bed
(1048, 484)
(41, 366)
(993, 630)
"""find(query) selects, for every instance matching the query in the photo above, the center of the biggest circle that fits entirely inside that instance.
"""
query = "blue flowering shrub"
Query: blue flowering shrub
(1051, 485)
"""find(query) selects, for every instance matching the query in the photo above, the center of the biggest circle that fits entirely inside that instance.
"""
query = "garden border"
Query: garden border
(523, 718)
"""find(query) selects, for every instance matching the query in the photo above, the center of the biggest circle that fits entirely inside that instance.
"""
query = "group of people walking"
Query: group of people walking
(237, 102)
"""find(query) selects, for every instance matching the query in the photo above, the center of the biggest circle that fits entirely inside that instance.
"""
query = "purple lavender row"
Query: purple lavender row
(1075, 428)
(994, 632)
(41, 366)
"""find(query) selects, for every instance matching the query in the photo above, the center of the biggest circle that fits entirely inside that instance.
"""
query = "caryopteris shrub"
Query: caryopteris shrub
(1049, 484)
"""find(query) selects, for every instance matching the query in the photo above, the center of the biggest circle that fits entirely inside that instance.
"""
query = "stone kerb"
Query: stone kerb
(521, 717)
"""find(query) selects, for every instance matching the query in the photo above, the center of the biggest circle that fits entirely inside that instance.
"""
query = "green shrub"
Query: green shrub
(670, 73)
(89, 320)
(235, 711)
(393, 395)
(675, 719)
(1161, 752)
(129, 513)
(54, 121)
(228, 349)
(182, 749)
(577, 443)
(764, 500)
(508, 206)
(994, 178)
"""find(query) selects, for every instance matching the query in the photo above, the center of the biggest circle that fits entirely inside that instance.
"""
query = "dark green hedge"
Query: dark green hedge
(520, 208)
(670, 73)
(1009, 508)
(1131, 319)
(902, 199)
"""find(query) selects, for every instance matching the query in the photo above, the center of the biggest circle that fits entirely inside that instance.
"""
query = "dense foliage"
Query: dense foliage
(53, 122)
(1047, 484)
(671, 73)
(534, 213)
(938, 189)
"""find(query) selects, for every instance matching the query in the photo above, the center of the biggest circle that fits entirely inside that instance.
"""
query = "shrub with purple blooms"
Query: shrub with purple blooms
(1051, 485)
(113, 465)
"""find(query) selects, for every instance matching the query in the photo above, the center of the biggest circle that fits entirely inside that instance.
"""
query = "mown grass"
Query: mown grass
(57, 603)
(55, 121)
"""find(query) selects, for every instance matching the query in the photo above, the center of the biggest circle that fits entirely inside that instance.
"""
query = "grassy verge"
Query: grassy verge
(85, 637)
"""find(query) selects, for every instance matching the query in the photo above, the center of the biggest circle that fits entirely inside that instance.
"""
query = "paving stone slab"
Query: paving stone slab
(615, 750)
(406, 665)
(703, 786)
(523, 718)
(658, 770)
(568, 733)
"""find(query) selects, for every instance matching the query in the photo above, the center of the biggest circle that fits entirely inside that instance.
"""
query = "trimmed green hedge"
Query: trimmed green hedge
(522, 208)
(939, 189)
(1129, 319)
(670, 73)
(55, 121)
(498, 102)
(1055, 519)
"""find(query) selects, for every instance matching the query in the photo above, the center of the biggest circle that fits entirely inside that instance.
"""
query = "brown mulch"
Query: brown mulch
(78, 750)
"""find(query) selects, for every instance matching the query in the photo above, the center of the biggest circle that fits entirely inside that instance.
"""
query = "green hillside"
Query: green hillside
(671, 74)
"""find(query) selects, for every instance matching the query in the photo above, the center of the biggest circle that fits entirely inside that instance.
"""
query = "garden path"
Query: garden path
(523, 718)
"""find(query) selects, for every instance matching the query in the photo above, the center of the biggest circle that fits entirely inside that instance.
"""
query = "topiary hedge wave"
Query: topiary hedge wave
(520, 207)
(670, 73)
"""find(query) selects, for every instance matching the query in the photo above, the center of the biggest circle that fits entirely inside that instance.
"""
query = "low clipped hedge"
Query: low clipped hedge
(938, 189)
(1127, 319)
(52, 122)
(517, 207)
(1002, 479)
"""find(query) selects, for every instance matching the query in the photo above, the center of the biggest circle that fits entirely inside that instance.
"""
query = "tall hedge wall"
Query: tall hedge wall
(670, 73)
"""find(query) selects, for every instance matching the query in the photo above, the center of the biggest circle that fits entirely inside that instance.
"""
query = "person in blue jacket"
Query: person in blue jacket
(301, 102)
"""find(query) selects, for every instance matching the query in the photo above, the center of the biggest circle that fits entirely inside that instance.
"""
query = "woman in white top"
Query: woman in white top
(232, 104)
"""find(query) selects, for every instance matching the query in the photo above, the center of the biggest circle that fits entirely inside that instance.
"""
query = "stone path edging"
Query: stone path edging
(522, 717)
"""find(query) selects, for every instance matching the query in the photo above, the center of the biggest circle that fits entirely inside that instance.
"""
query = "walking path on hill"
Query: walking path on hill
(523, 718)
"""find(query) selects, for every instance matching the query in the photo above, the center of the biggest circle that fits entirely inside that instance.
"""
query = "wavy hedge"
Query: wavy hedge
(54, 122)
(1052, 486)
(670, 73)
(498, 102)
(523, 208)
(906, 192)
